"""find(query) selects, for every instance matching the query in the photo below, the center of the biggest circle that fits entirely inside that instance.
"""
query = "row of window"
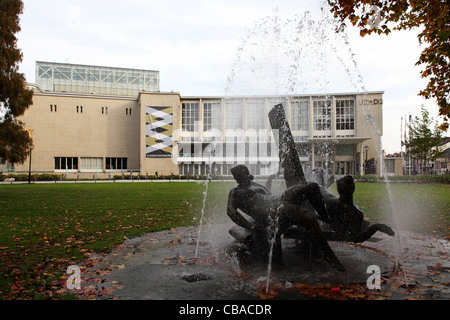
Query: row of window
(340, 168)
(255, 118)
(79, 109)
(90, 163)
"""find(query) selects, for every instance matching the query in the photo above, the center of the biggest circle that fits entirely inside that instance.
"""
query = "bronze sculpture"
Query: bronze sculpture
(297, 212)
(259, 203)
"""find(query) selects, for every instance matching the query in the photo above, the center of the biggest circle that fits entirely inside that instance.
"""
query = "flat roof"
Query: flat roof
(290, 95)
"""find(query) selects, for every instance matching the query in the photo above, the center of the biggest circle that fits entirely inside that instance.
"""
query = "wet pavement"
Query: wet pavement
(183, 264)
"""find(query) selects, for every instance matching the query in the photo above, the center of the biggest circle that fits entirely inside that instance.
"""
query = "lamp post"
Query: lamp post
(366, 148)
(30, 147)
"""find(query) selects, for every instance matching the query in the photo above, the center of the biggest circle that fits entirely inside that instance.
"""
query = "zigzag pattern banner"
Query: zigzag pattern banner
(158, 132)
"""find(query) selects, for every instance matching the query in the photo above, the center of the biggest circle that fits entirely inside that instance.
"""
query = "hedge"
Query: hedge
(424, 178)
(34, 177)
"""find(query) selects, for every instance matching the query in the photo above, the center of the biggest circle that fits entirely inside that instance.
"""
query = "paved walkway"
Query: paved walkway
(162, 266)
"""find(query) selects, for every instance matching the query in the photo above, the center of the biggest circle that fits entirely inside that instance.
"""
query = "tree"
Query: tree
(422, 143)
(14, 97)
(377, 16)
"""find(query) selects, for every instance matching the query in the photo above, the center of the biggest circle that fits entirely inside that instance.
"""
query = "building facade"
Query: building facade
(83, 131)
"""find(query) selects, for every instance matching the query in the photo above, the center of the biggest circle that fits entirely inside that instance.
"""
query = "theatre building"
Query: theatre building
(103, 121)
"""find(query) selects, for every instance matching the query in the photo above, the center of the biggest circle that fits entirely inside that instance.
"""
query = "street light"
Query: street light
(30, 147)
(366, 148)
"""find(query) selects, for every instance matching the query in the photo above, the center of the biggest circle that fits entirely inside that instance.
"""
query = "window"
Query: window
(62, 73)
(389, 165)
(128, 111)
(135, 78)
(91, 163)
(233, 115)
(79, 74)
(116, 163)
(345, 115)
(121, 77)
(104, 110)
(345, 150)
(66, 163)
(322, 115)
(300, 116)
(45, 72)
(190, 114)
(255, 115)
(106, 76)
(79, 109)
(93, 75)
(212, 116)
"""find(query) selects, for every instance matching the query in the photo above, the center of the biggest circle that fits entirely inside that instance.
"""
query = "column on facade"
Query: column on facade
(311, 118)
(311, 129)
(333, 118)
(361, 159)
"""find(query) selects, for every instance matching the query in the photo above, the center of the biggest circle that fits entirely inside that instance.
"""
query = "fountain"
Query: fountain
(262, 218)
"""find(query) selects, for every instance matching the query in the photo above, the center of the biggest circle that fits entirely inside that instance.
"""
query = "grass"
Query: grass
(46, 227)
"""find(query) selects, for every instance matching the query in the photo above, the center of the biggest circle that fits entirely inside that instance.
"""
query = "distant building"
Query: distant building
(442, 163)
(98, 120)
(393, 164)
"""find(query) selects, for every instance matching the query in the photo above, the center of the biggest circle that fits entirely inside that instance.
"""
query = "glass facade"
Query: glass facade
(322, 115)
(190, 115)
(345, 114)
(234, 115)
(323, 129)
(300, 116)
(212, 116)
(61, 77)
(256, 115)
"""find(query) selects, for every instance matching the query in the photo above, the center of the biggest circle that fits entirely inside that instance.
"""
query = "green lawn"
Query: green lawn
(46, 227)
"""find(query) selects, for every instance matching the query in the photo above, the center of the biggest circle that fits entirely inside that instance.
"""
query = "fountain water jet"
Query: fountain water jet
(205, 195)
(272, 240)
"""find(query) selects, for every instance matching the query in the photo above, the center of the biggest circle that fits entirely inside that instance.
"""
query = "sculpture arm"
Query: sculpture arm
(269, 181)
(235, 216)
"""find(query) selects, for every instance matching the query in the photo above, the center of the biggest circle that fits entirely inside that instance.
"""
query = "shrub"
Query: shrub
(424, 178)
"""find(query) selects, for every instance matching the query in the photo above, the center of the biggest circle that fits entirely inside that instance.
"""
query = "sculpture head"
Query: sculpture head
(346, 188)
(241, 174)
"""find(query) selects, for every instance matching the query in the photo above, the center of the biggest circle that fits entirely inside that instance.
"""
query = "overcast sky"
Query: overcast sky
(217, 47)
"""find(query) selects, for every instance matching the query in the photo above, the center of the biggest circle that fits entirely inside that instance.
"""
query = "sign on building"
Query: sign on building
(159, 128)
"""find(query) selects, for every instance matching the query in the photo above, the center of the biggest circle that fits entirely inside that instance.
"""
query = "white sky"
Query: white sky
(198, 44)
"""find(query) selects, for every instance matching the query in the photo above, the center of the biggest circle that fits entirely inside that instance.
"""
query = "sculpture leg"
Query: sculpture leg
(311, 191)
(371, 230)
(299, 216)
